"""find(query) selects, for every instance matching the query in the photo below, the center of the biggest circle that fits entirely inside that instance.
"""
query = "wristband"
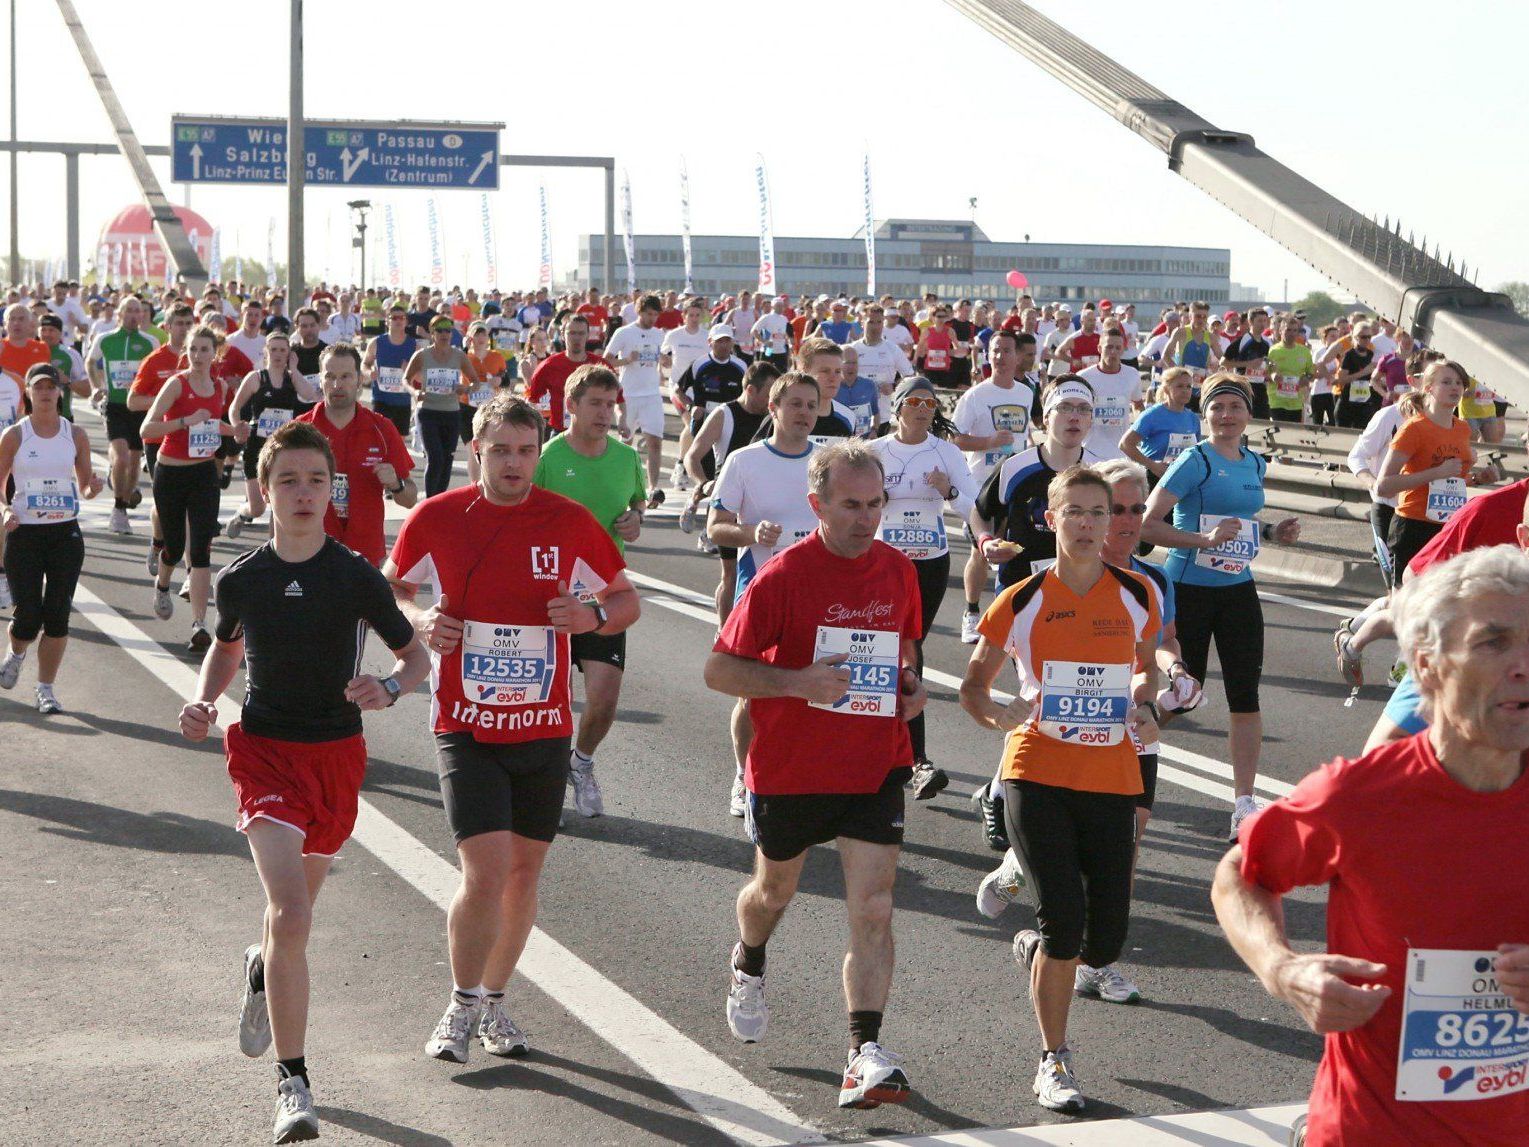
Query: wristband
(984, 539)
(1266, 531)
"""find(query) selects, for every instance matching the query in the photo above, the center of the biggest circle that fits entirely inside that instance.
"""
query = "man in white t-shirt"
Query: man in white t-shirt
(68, 308)
(344, 325)
(635, 348)
(249, 338)
(683, 346)
(742, 319)
(772, 335)
(1057, 364)
(881, 359)
(1117, 394)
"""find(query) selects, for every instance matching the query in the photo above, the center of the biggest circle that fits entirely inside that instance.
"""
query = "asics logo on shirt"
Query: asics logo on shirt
(1060, 614)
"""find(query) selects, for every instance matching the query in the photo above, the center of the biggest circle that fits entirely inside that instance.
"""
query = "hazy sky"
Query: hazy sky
(1403, 111)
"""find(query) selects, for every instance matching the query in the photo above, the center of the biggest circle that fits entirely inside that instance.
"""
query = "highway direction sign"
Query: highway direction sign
(340, 153)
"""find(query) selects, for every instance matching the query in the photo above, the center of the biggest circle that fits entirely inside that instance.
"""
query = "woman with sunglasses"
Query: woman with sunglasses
(1357, 400)
(275, 394)
(1215, 492)
(44, 548)
(442, 375)
(383, 365)
(924, 473)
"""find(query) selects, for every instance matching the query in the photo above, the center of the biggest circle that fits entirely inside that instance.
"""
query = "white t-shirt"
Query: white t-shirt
(1060, 364)
(629, 314)
(987, 408)
(1153, 351)
(504, 334)
(742, 322)
(11, 409)
(1114, 396)
(639, 379)
(883, 364)
(1131, 331)
(912, 501)
(253, 346)
(684, 348)
(70, 311)
(758, 484)
(1382, 344)
(900, 337)
(341, 329)
(772, 333)
(76, 363)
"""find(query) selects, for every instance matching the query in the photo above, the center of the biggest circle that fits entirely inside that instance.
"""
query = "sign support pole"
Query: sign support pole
(297, 164)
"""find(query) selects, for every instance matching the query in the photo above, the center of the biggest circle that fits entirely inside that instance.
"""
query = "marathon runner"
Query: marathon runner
(742, 319)
(1291, 372)
(635, 350)
(441, 375)
(308, 346)
(517, 570)
(925, 473)
(1165, 429)
(491, 368)
(1080, 349)
(586, 465)
(822, 647)
(1117, 393)
(45, 467)
(248, 339)
(1075, 632)
(1247, 353)
(823, 360)
(292, 611)
(266, 401)
(545, 388)
(882, 360)
(1422, 993)
(857, 394)
(154, 370)
(1357, 401)
(937, 349)
(71, 367)
(1215, 492)
(383, 365)
(1194, 346)
(683, 345)
(595, 316)
(19, 352)
(371, 460)
(772, 335)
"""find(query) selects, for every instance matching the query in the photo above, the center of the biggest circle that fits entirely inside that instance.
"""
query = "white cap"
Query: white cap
(720, 331)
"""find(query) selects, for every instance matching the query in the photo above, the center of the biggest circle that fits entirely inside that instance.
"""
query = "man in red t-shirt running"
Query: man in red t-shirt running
(545, 390)
(515, 570)
(1422, 992)
(822, 646)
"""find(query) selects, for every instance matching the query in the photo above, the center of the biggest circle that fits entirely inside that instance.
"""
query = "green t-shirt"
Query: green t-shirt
(65, 365)
(605, 486)
(1292, 364)
(118, 355)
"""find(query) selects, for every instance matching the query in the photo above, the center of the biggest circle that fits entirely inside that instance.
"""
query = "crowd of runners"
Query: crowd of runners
(829, 451)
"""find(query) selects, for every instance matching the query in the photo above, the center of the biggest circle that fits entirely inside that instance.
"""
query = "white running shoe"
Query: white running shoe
(185, 590)
(295, 1117)
(10, 670)
(164, 604)
(1001, 887)
(498, 1032)
(681, 479)
(748, 1016)
(1244, 808)
(47, 703)
(687, 518)
(153, 561)
(737, 801)
(119, 522)
(1107, 983)
(1026, 944)
(236, 525)
(456, 1027)
(6, 601)
(969, 634)
(1056, 1088)
(872, 1077)
(586, 790)
(254, 1018)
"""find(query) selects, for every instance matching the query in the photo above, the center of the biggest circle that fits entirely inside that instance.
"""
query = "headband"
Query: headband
(1063, 391)
(1221, 388)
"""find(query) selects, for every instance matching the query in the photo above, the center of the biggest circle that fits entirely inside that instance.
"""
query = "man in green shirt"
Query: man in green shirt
(605, 476)
(50, 329)
(112, 367)
(1290, 371)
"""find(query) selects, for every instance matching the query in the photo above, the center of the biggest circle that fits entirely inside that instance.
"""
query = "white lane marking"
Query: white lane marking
(1301, 603)
(675, 598)
(705, 1083)
(1253, 1127)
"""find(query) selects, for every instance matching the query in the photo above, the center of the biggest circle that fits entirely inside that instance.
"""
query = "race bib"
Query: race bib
(778, 342)
(339, 493)
(1359, 390)
(790, 538)
(1177, 444)
(272, 420)
(1111, 414)
(875, 658)
(937, 358)
(865, 419)
(504, 341)
(919, 533)
(316, 381)
(480, 396)
(122, 374)
(50, 499)
(1085, 361)
(647, 354)
(442, 379)
(1445, 496)
(1462, 1038)
(1230, 557)
(1085, 704)
(390, 379)
(1289, 385)
(1258, 371)
(203, 439)
(508, 664)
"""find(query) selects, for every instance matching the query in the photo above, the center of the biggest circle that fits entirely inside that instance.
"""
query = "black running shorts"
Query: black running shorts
(608, 649)
(783, 827)
(489, 787)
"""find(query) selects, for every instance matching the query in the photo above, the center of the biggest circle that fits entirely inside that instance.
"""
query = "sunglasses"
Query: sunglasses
(1137, 509)
(921, 402)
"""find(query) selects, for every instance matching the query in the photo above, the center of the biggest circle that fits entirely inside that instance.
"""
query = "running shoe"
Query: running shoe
(680, 479)
(164, 604)
(706, 545)
(10, 670)
(687, 518)
(236, 525)
(586, 790)
(254, 1018)
(6, 601)
(928, 781)
(1056, 1088)
(991, 811)
(1001, 887)
(1026, 944)
(200, 640)
(295, 1117)
(1244, 808)
(498, 1032)
(872, 1077)
(47, 703)
(456, 1027)
(748, 1016)
(119, 522)
(655, 499)
(153, 562)
(1350, 664)
(1106, 984)
(134, 498)
(737, 801)
(969, 634)
(185, 590)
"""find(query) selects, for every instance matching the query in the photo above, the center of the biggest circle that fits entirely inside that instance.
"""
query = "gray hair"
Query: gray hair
(1427, 607)
(850, 454)
(1122, 470)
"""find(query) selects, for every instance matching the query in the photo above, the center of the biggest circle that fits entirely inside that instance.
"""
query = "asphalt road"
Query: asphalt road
(129, 899)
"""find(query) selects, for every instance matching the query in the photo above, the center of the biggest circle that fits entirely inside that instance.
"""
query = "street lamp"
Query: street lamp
(360, 207)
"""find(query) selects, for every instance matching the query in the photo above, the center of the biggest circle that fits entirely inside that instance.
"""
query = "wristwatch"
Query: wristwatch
(398, 489)
(600, 616)
(394, 690)
(1151, 707)
(950, 494)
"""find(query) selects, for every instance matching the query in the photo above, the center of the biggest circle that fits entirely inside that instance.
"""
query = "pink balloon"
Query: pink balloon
(1017, 280)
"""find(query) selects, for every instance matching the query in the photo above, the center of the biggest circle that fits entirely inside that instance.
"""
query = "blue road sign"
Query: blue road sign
(340, 153)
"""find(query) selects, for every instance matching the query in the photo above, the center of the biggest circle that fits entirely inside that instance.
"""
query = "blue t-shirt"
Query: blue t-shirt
(1209, 486)
(1158, 423)
(840, 332)
(1164, 584)
(860, 398)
